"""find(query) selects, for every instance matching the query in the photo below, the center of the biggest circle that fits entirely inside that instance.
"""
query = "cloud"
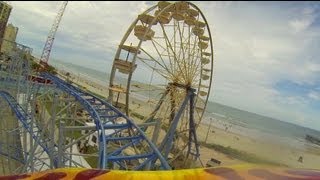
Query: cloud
(314, 95)
(256, 45)
(255, 50)
(87, 28)
(299, 25)
(306, 18)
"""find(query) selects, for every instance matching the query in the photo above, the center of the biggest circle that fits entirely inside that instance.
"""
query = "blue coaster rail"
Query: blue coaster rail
(15, 152)
(128, 134)
(32, 128)
(12, 152)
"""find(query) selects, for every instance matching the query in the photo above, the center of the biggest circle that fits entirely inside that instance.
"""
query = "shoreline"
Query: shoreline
(264, 150)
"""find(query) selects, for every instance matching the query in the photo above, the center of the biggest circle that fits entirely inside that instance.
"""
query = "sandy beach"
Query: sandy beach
(266, 150)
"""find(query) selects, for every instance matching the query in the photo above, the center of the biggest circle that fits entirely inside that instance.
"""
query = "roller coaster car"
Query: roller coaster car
(39, 79)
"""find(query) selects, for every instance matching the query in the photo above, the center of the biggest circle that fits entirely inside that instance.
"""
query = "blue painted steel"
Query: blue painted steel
(16, 154)
(80, 96)
(192, 131)
(130, 157)
(116, 126)
(145, 162)
(104, 116)
(123, 138)
(13, 153)
(168, 140)
(26, 122)
(120, 149)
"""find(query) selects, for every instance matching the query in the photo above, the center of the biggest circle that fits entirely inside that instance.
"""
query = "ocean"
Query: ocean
(259, 127)
(225, 117)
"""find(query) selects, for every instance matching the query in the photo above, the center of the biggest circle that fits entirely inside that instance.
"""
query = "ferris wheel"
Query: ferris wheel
(162, 70)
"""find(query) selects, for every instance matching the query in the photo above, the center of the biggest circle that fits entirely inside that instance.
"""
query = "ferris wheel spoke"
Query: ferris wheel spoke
(174, 40)
(182, 40)
(152, 58)
(191, 56)
(194, 79)
(196, 66)
(181, 49)
(165, 75)
(171, 57)
(159, 44)
(194, 57)
(164, 50)
(169, 50)
(189, 53)
(194, 49)
(187, 38)
(173, 52)
(178, 42)
(164, 64)
(189, 47)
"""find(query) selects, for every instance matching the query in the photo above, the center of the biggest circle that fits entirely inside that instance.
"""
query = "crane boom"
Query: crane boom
(48, 46)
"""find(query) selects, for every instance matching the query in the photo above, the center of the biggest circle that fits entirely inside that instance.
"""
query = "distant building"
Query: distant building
(5, 10)
(213, 163)
(9, 39)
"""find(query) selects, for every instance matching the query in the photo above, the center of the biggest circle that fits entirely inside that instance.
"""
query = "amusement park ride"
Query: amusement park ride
(60, 131)
(59, 125)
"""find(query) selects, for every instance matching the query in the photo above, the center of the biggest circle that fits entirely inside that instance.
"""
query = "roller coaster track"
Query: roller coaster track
(35, 132)
(104, 116)
(16, 152)
(13, 152)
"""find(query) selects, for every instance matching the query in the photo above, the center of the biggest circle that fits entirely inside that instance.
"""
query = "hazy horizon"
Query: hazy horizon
(265, 53)
(210, 101)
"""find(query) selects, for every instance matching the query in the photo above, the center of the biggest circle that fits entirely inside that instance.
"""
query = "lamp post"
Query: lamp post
(205, 141)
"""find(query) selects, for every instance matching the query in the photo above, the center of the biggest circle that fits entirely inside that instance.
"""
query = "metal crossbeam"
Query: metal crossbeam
(103, 115)
(14, 153)
(32, 128)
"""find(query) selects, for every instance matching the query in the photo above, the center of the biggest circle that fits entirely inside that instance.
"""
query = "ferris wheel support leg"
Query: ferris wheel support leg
(192, 130)
(168, 140)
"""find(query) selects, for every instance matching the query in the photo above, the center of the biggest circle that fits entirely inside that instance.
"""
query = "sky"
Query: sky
(265, 53)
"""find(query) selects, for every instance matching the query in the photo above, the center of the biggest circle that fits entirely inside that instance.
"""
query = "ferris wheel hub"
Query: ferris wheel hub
(183, 86)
